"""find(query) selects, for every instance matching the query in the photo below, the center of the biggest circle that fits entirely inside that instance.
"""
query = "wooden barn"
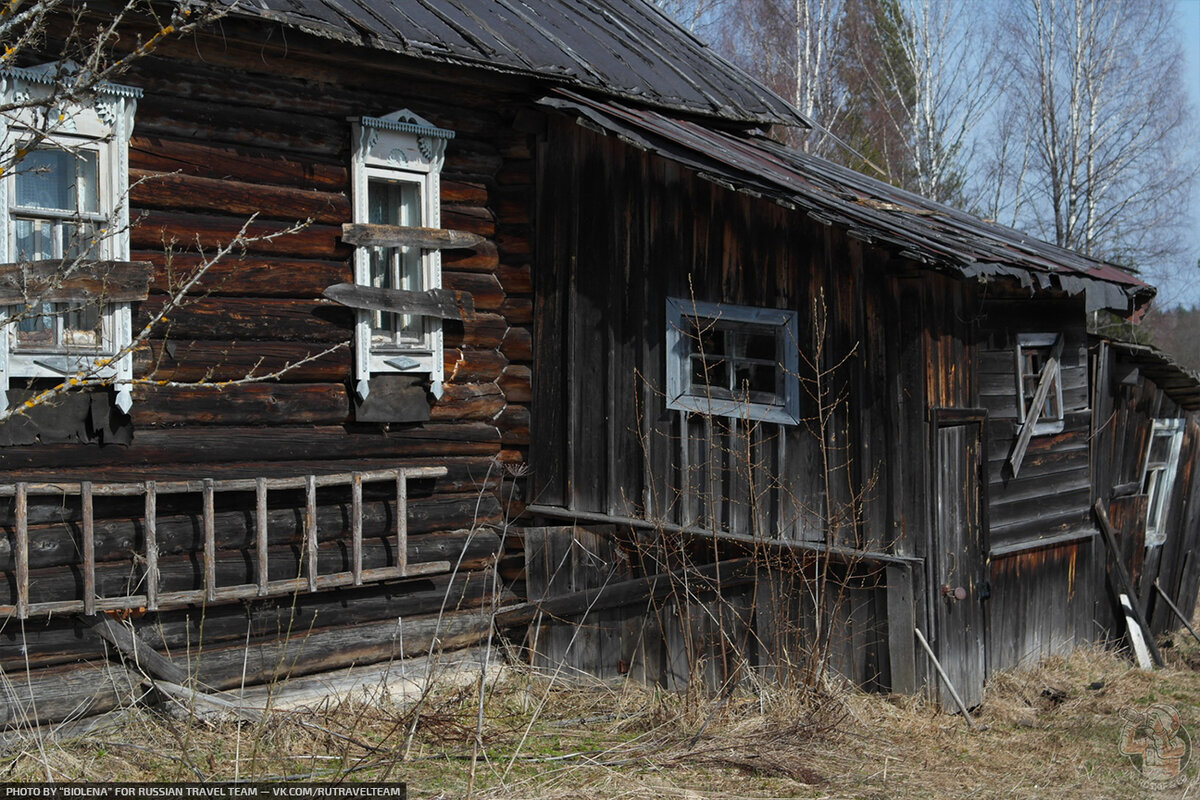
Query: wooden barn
(335, 328)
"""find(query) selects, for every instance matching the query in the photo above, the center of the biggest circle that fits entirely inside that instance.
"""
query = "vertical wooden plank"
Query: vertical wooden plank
(152, 576)
(89, 548)
(310, 529)
(261, 534)
(356, 554)
(402, 521)
(22, 512)
(900, 622)
(210, 544)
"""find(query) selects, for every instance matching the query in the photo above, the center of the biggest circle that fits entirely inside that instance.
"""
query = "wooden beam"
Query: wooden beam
(137, 651)
(22, 513)
(152, 576)
(68, 280)
(89, 548)
(406, 236)
(438, 303)
(1125, 587)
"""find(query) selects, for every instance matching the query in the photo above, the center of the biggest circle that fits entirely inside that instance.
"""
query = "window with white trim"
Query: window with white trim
(1039, 357)
(64, 199)
(397, 162)
(733, 361)
(1158, 476)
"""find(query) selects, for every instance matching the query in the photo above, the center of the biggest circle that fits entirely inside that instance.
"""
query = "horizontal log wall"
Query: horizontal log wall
(229, 128)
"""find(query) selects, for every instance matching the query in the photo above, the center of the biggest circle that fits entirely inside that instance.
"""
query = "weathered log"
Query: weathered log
(482, 331)
(57, 279)
(182, 231)
(369, 235)
(220, 444)
(191, 360)
(517, 310)
(436, 303)
(178, 534)
(226, 196)
(141, 656)
(482, 401)
(203, 159)
(513, 423)
(183, 573)
(473, 366)
(518, 344)
(248, 404)
(517, 383)
(64, 639)
(484, 258)
(242, 275)
(483, 287)
(463, 475)
(241, 318)
(516, 280)
(72, 692)
(464, 193)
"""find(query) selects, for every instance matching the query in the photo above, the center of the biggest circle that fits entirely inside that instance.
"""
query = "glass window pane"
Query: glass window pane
(1160, 448)
(79, 241)
(396, 203)
(81, 326)
(45, 179)
(34, 239)
(37, 330)
(87, 185)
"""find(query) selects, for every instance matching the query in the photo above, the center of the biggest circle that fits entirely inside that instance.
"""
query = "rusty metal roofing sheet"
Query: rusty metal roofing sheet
(917, 228)
(1179, 383)
(621, 48)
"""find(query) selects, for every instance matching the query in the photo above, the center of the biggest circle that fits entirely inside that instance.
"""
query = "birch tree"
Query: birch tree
(1093, 155)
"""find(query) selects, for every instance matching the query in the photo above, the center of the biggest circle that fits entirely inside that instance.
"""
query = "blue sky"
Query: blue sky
(1188, 289)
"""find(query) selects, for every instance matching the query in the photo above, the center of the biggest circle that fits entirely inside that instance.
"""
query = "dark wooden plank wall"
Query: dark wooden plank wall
(1124, 421)
(766, 621)
(632, 229)
(229, 127)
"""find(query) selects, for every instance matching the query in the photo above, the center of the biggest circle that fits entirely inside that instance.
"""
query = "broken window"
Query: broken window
(1039, 375)
(1158, 476)
(733, 361)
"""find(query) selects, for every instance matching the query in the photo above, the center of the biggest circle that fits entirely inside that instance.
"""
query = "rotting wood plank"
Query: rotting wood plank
(1125, 586)
(210, 539)
(436, 303)
(137, 651)
(89, 549)
(369, 235)
(151, 517)
(77, 281)
(22, 555)
(261, 534)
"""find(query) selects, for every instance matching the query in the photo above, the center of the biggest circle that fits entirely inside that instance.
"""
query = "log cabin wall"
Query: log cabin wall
(230, 127)
(1042, 540)
(1127, 402)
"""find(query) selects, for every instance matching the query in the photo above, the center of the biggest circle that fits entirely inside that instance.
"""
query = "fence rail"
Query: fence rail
(152, 599)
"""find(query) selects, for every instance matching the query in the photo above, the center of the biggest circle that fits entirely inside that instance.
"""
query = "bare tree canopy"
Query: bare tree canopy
(1065, 118)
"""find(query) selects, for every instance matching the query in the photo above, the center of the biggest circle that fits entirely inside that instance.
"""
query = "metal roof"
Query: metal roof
(621, 48)
(1178, 382)
(916, 228)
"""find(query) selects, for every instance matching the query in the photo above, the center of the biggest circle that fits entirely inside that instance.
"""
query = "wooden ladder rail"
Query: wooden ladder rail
(154, 599)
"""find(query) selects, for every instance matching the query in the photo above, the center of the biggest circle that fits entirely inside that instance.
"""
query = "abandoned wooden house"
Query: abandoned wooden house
(523, 309)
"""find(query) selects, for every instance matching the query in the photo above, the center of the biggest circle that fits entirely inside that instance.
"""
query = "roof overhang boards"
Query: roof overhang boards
(915, 229)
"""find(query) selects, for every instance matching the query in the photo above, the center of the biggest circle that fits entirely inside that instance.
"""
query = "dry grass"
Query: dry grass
(1051, 731)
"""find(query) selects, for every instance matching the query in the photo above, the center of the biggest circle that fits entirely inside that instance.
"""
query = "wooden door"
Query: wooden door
(958, 554)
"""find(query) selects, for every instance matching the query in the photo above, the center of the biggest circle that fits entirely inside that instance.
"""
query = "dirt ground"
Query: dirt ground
(1056, 730)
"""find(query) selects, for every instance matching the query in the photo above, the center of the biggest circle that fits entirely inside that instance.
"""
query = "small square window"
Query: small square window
(1039, 359)
(1158, 476)
(732, 361)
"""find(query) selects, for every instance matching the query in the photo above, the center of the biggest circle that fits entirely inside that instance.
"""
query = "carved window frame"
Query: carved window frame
(401, 148)
(102, 126)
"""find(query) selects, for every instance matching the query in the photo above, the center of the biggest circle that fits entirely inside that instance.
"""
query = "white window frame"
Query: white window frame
(681, 346)
(104, 127)
(1158, 493)
(404, 148)
(1044, 424)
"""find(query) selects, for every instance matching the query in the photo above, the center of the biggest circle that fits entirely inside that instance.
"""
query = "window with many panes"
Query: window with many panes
(397, 161)
(734, 361)
(1038, 362)
(1158, 476)
(63, 197)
